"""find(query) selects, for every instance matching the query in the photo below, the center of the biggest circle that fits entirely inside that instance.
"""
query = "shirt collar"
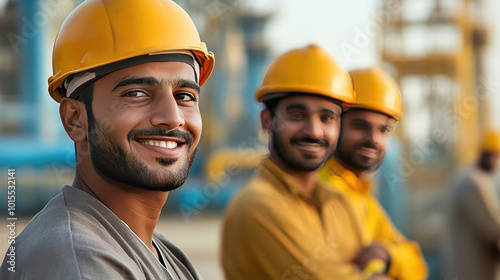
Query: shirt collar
(319, 196)
(361, 185)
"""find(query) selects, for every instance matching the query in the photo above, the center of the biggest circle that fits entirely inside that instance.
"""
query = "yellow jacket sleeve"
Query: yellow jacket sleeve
(407, 261)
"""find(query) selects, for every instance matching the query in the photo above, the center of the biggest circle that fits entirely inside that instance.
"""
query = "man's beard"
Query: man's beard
(309, 164)
(362, 164)
(117, 166)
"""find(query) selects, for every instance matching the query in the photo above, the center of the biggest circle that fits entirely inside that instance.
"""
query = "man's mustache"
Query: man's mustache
(321, 142)
(186, 136)
(367, 144)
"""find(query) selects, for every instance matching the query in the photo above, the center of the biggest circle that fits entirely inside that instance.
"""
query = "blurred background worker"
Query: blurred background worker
(363, 142)
(473, 218)
(284, 224)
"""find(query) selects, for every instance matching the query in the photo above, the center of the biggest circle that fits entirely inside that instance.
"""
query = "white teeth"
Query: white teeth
(171, 144)
(310, 146)
(163, 144)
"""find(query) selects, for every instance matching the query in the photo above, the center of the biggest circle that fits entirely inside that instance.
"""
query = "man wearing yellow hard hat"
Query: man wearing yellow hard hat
(127, 75)
(366, 126)
(473, 218)
(284, 224)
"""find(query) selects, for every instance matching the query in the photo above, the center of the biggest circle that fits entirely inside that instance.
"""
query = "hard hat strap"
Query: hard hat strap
(73, 82)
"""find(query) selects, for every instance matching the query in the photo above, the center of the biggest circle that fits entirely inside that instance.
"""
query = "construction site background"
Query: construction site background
(442, 54)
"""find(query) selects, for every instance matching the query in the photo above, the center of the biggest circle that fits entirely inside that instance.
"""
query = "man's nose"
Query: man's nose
(314, 128)
(166, 112)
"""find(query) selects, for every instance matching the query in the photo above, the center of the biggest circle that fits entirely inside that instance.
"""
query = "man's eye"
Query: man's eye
(385, 130)
(185, 96)
(359, 125)
(328, 117)
(296, 115)
(134, 93)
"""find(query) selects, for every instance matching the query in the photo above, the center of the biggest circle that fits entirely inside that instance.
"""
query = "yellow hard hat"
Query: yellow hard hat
(491, 142)
(102, 32)
(306, 70)
(375, 90)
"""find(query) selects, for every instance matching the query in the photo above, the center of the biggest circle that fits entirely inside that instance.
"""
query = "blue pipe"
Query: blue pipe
(33, 23)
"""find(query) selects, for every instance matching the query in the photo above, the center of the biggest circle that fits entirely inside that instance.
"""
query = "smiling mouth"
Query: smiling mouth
(162, 144)
(309, 147)
(368, 152)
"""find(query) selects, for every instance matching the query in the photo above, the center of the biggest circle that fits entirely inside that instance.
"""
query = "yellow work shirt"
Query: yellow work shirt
(407, 262)
(273, 230)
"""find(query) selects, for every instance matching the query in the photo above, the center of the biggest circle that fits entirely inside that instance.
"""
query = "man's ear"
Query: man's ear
(265, 120)
(74, 118)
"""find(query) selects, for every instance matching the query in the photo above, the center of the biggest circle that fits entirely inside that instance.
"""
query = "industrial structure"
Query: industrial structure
(434, 49)
(436, 55)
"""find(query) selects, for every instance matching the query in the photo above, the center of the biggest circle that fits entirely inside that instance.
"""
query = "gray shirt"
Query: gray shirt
(77, 237)
(473, 228)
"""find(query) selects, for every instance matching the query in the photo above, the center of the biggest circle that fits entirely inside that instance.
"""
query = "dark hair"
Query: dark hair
(271, 105)
(85, 94)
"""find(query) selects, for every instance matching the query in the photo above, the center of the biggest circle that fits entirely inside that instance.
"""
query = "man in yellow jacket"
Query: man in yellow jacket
(284, 224)
(366, 126)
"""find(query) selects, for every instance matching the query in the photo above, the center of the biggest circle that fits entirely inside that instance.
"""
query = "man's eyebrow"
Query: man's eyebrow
(359, 120)
(329, 111)
(137, 81)
(295, 106)
(388, 126)
(180, 83)
(183, 83)
(303, 107)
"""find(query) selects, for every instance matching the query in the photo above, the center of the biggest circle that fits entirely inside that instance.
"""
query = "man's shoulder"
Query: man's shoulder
(48, 228)
(56, 222)
(46, 225)
(70, 239)
(468, 184)
(260, 203)
(335, 180)
(258, 193)
(45, 242)
(467, 179)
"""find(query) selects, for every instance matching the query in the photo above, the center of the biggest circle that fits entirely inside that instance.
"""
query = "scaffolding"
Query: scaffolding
(434, 49)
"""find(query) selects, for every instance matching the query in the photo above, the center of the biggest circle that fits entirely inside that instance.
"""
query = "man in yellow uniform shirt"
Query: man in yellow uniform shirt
(284, 224)
(366, 126)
